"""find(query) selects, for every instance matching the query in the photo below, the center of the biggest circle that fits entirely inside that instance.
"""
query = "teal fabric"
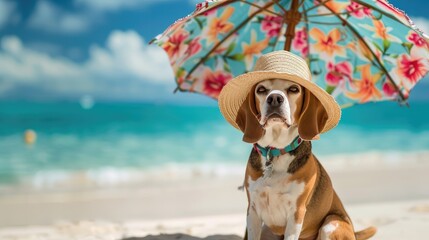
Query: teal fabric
(358, 50)
(270, 152)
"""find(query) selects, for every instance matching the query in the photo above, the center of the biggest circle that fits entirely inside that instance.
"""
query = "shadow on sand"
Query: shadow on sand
(185, 237)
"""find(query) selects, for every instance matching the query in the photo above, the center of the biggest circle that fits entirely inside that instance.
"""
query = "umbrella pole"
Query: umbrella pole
(292, 18)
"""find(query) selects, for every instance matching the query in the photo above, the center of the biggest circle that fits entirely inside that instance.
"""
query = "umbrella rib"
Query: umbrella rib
(378, 10)
(322, 23)
(318, 5)
(259, 7)
(301, 3)
(293, 17)
(356, 33)
(203, 59)
(331, 14)
(280, 6)
(278, 36)
(308, 29)
(216, 5)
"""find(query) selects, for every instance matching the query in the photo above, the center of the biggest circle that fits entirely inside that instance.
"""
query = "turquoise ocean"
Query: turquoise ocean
(110, 141)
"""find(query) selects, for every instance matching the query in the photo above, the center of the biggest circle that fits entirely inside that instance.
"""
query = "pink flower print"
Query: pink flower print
(412, 67)
(417, 40)
(338, 73)
(389, 89)
(176, 46)
(300, 42)
(214, 82)
(193, 48)
(358, 11)
(272, 25)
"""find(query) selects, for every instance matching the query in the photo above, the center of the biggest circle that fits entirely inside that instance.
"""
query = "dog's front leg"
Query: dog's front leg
(294, 223)
(254, 224)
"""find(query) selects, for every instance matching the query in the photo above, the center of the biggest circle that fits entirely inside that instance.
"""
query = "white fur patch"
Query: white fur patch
(278, 136)
(293, 232)
(275, 197)
(327, 230)
(254, 225)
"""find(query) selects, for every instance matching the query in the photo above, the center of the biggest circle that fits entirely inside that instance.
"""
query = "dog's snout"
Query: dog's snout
(275, 100)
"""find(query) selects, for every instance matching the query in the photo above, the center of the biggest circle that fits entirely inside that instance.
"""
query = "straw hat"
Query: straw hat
(275, 65)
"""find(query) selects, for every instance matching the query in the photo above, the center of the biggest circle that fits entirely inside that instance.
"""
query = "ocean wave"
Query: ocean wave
(106, 177)
(121, 143)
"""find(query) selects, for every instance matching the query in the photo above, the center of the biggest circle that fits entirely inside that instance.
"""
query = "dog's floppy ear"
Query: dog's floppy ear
(313, 117)
(247, 120)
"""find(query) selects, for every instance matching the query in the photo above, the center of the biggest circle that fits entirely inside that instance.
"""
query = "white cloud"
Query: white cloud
(50, 18)
(112, 5)
(46, 47)
(126, 68)
(7, 10)
(26, 66)
(127, 53)
(422, 23)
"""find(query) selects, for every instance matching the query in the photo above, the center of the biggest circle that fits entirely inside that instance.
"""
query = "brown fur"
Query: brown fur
(322, 204)
(318, 204)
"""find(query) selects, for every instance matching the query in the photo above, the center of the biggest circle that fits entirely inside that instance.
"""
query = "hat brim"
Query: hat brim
(235, 93)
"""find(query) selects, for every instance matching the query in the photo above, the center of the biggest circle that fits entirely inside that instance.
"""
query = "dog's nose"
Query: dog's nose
(275, 100)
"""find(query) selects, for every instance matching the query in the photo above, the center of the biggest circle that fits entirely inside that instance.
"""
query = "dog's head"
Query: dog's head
(280, 109)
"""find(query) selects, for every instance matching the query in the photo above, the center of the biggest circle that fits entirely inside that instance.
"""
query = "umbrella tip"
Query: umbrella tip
(403, 102)
(175, 90)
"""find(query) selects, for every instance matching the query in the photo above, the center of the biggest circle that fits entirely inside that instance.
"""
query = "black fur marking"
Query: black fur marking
(255, 160)
(302, 153)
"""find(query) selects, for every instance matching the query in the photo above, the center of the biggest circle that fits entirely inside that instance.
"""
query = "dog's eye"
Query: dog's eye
(293, 89)
(261, 90)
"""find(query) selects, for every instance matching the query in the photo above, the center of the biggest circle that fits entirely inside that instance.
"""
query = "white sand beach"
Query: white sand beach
(393, 196)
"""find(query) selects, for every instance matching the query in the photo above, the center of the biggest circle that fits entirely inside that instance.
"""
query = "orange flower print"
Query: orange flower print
(327, 44)
(220, 25)
(193, 48)
(175, 46)
(365, 51)
(380, 31)
(252, 49)
(366, 89)
(330, 6)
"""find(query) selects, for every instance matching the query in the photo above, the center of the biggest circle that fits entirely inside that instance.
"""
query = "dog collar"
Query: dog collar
(270, 152)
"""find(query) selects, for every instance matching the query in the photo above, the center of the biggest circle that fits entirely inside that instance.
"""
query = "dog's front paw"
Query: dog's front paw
(292, 237)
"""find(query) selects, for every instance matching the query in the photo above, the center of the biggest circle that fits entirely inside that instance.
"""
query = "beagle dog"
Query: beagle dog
(290, 195)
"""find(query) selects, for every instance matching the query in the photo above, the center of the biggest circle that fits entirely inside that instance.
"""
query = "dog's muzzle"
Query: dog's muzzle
(277, 107)
(275, 100)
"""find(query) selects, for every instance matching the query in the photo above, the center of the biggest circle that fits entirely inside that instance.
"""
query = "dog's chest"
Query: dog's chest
(275, 197)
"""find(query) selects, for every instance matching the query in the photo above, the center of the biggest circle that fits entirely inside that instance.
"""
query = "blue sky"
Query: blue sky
(51, 49)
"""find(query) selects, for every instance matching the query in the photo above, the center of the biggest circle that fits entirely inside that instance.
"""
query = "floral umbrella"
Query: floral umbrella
(357, 50)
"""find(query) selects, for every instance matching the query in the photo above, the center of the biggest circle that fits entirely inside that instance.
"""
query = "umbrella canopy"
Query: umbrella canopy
(357, 50)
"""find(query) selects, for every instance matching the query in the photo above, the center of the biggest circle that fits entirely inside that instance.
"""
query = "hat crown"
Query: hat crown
(283, 62)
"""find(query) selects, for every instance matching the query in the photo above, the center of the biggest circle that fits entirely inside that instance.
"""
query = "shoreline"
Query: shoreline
(202, 195)
(110, 177)
(394, 221)
(392, 195)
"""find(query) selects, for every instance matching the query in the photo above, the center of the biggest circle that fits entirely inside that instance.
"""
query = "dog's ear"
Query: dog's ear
(313, 117)
(247, 120)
